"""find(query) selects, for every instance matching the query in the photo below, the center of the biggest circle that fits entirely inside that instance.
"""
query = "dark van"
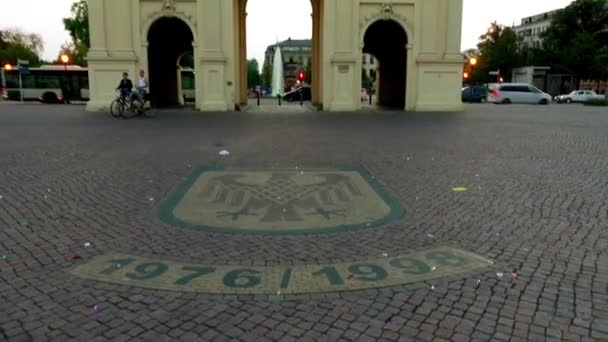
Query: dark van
(476, 93)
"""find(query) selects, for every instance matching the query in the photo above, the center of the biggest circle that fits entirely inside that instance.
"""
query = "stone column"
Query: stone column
(242, 46)
(316, 52)
(217, 67)
(97, 29)
(454, 29)
(428, 39)
(119, 28)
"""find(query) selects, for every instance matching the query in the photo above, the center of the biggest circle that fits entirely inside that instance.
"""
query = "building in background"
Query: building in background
(532, 28)
(297, 55)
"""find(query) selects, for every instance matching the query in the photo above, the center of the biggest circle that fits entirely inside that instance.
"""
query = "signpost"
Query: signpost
(495, 73)
(22, 65)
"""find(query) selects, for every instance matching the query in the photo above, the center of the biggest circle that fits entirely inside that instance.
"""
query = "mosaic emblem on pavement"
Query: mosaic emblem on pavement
(154, 273)
(279, 201)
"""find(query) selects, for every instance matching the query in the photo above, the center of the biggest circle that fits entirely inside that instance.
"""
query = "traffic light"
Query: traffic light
(301, 76)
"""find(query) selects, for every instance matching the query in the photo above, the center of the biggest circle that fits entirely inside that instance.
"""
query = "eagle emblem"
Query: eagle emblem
(281, 197)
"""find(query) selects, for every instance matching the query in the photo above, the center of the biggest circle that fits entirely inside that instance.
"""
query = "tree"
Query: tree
(78, 26)
(308, 71)
(15, 45)
(576, 35)
(266, 75)
(499, 48)
(253, 73)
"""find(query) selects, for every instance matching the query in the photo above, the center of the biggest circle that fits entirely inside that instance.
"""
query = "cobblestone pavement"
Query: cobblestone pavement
(536, 206)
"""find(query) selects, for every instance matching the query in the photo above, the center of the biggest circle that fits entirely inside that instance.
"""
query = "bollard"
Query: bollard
(301, 97)
(258, 94)
(370, 98)
(279, 97)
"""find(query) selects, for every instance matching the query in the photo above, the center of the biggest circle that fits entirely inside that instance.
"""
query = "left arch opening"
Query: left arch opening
(387, 40)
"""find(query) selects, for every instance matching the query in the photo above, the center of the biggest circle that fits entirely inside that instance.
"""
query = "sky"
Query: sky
(267, 20)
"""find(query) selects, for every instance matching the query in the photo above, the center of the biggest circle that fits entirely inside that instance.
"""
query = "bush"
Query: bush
(598, 103)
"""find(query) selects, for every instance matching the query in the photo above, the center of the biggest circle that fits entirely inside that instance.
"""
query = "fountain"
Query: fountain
(277, 73)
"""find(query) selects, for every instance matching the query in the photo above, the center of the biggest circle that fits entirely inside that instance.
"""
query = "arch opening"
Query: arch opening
(301, 53)
(169, 41)
(386, 40)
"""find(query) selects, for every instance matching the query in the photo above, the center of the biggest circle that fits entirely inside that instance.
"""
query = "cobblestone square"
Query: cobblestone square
(523, 188)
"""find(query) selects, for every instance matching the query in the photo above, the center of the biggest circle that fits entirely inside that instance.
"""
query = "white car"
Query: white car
(579, 96)
(517, 93)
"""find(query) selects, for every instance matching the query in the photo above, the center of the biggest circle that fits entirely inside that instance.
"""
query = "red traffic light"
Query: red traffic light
(301, 75)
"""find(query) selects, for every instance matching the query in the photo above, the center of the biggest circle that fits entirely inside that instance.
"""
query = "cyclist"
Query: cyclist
(125, 86)
(142, 87)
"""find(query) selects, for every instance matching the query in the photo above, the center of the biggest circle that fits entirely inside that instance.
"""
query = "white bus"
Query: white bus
(49, 83)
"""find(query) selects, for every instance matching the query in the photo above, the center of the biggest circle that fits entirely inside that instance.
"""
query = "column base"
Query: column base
(98, 106)
(442, 107)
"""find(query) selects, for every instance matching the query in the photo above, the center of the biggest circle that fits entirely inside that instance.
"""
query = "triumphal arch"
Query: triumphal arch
(416, 44)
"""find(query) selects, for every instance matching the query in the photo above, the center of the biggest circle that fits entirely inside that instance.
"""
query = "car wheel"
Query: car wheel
(544, 102)
(506, 101)
(50, 98)
(568, 101)
(483, 99)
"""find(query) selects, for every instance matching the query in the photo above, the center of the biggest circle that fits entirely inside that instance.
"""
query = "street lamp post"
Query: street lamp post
(65, 59)
(473, 62)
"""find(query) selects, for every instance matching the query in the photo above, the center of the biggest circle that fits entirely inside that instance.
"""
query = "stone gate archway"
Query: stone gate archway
(387, 41)
(317, 47)
(169, 38)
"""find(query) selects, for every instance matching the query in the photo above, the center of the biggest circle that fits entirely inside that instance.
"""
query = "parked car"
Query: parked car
(579, 96)
(294, 95)
(517, 93)
(475, 93)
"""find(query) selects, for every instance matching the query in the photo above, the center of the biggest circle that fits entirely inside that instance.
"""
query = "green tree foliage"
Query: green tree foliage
(308, 72)
(15, 44)
(266, 75)
(78, 26)
(253, 73)
(498, 48)
(577, 40)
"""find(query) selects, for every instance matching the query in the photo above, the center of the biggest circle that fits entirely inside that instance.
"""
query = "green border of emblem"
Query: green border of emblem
(168, 204)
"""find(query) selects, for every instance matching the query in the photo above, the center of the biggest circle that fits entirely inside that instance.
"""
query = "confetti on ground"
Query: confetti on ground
(224, 153)
(459, 189)
(434, 268)
(87, 244)
(514, 274)
(151, 199)
(478, 282)
(279, 292)
(0, 197)
(389, 321)
(433, 287)
(4, 257)
(499, 274)
(24, 222)
(76, 257)
(431, 236)
(49, 190)
(385, 255)
(95, 308)
(350, 276)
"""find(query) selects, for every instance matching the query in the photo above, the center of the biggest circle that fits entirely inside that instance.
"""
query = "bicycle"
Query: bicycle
(127, 106)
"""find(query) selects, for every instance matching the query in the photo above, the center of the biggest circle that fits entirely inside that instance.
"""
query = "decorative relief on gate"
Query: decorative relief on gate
(169, 8)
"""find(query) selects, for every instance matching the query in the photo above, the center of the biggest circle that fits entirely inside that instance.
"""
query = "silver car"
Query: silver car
(517, 93)
(579, 96)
